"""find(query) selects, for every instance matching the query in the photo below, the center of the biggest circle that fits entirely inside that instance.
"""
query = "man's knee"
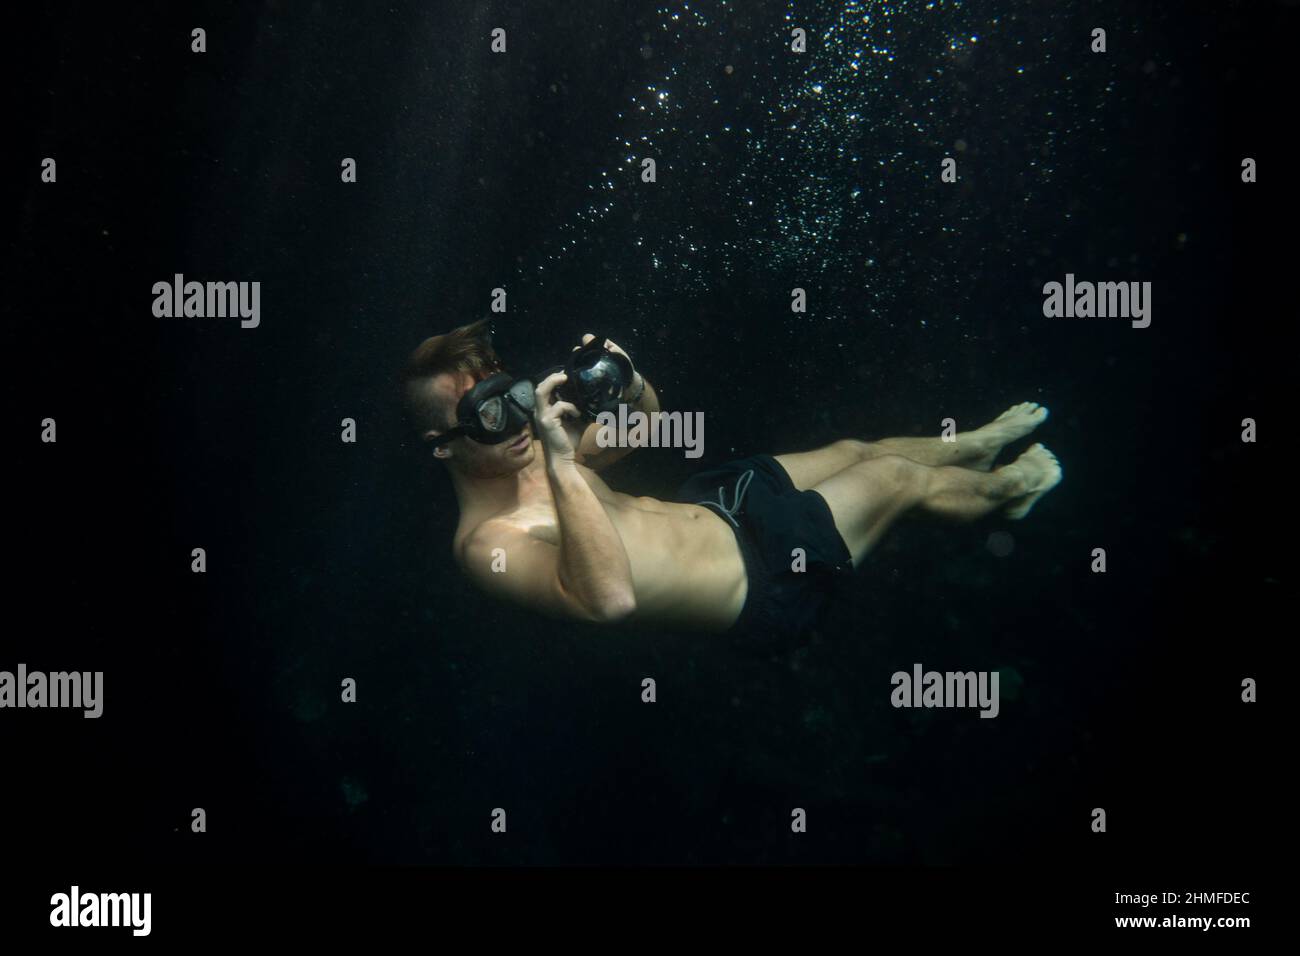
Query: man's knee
(865, 450)
(896, 475)
(853, 448)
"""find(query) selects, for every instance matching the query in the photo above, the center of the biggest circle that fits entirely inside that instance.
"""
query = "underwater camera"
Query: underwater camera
(596, 379)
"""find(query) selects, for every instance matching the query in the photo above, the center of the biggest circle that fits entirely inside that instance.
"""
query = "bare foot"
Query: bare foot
(1041, 472)
(1016, 422)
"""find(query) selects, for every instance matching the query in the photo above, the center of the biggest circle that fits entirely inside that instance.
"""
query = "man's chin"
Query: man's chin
(516, 454)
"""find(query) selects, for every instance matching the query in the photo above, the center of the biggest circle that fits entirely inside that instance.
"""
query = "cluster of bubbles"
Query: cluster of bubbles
(823, 166)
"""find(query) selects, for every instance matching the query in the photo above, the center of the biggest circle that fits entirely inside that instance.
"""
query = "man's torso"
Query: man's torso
(686, 565)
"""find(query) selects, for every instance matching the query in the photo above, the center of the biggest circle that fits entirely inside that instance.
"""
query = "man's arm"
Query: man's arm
(589, 452)
(513, 565)
(593, 564)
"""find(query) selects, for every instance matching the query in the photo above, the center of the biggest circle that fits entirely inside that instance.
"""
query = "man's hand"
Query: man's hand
(552, 429)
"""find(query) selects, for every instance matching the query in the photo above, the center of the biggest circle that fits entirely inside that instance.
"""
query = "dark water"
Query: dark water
(329, 560)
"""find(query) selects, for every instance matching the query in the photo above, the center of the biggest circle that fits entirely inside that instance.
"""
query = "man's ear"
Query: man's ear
(442, 451)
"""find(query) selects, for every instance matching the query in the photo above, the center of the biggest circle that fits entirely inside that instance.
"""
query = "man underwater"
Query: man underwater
(751, 547)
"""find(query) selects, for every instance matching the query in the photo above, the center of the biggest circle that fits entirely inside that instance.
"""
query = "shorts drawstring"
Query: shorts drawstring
(742, 486)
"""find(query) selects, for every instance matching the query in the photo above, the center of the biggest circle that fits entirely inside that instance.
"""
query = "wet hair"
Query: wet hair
(464, 349)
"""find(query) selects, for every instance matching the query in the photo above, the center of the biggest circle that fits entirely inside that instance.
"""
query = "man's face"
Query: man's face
(467, 455)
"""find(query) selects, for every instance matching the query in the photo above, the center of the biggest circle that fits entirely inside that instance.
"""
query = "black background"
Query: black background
(328, 560)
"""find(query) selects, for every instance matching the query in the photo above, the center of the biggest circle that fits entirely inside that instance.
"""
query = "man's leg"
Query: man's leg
(973, 449)
(867, 497)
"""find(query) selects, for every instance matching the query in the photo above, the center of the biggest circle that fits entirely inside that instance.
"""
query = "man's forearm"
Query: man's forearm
(591, 453)
(594, 566)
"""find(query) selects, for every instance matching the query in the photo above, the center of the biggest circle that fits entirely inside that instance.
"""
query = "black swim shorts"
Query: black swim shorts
(771, 519)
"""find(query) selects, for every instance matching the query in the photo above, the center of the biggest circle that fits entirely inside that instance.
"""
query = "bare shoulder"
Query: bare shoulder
(507, 561)
(474, 545)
